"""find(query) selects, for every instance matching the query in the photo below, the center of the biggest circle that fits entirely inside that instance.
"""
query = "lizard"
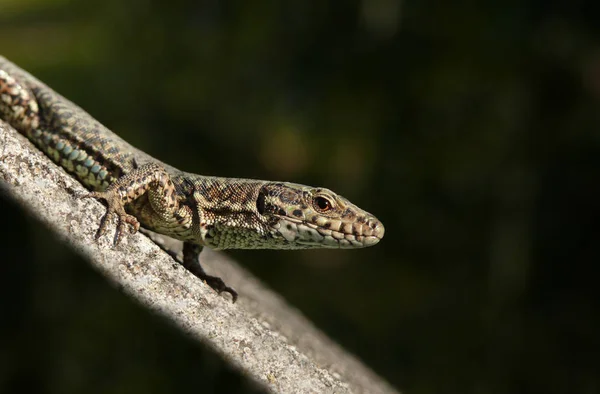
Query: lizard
(202, 211)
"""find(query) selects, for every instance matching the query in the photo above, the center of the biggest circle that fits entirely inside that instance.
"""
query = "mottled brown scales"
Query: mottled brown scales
(221, 213)
(289, 197)
(348, 214)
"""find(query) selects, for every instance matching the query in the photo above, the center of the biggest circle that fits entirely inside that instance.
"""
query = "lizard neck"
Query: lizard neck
(226, 213)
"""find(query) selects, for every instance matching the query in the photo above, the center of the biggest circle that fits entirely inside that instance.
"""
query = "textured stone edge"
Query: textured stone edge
(260, 335)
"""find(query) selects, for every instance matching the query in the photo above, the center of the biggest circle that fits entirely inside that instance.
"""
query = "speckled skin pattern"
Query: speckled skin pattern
(221, 213)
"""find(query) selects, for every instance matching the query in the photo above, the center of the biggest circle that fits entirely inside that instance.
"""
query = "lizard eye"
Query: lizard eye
(322, 204)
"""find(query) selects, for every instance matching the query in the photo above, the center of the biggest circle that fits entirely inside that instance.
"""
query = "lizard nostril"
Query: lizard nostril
(378, 229)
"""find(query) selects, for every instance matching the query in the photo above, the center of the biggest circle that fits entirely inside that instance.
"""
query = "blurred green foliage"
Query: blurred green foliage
(469, 129)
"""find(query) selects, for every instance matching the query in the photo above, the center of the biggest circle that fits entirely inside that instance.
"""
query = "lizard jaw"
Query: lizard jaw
(312, 235)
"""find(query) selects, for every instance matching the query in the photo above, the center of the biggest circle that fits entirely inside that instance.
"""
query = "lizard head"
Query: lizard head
(307, 217)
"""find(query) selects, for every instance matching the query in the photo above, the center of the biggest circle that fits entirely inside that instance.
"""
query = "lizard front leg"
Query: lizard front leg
(163, 206)
(162, 212)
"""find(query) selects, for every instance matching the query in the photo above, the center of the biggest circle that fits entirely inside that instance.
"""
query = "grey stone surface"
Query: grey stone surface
(261, 335)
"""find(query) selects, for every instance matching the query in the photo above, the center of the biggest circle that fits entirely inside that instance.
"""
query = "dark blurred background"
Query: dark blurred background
(470, 130)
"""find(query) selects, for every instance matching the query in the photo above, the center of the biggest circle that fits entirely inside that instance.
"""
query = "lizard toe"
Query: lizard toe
(115, 207)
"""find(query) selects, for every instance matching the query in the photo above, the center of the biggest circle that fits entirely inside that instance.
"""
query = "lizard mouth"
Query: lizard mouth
(312, 235)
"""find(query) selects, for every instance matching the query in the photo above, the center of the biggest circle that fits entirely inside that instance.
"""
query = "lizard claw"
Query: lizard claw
(219, 286)
(114, 207)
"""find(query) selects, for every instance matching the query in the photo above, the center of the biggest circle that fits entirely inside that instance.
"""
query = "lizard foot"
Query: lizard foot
(191, 261)
(218, 285)
(115, 206)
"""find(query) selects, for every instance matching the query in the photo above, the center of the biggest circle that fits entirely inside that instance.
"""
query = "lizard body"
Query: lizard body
(221, 213)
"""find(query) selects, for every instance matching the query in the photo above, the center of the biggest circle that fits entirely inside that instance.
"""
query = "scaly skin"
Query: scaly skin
(221, 213)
